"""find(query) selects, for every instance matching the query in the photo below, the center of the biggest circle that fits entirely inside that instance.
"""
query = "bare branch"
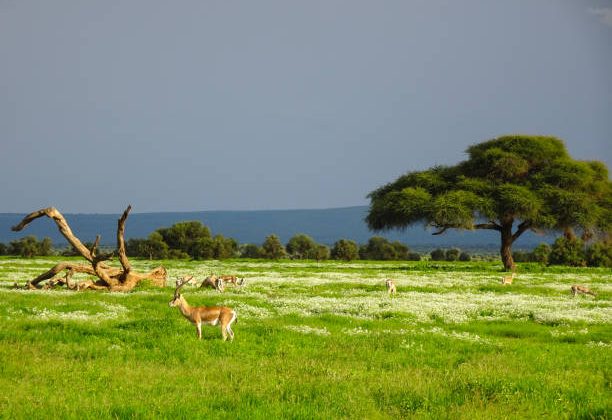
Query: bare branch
(526, 225)
(110, 278)
(491, 225)
(123, 259)
(76, 268)
(441, 231)
(65, 230)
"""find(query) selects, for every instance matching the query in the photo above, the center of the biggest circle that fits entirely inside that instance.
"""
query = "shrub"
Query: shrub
(29, 247)
(599, 254)
(379, 248)
(438, 255)
(452, 254)
(345, 249)
(250, 251)
(272, 248)
(541, 253)
(568, 251)
(301, 246)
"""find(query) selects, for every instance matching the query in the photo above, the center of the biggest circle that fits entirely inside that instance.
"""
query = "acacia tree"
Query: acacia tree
(109, 278)
(509, 184)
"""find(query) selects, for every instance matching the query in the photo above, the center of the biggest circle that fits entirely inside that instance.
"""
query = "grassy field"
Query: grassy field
(313, 340)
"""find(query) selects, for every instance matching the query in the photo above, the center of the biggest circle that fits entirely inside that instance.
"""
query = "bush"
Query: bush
(452, 254)
(345, 249)
(29, 247)
(464, 256)
(272, 248)
(250, 251)
(438, 255)
(302, 246)
(414, 256)
(568, 251)
(521, 256)
(541, 254)
(599, 254)
(379, 248)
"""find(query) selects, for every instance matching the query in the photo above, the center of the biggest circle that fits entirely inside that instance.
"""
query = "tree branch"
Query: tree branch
(65, 230)
(123, 259)
(441, 231)
(491, 225)
(526, 225)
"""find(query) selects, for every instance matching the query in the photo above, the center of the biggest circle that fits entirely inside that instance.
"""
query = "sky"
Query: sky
(194, 105)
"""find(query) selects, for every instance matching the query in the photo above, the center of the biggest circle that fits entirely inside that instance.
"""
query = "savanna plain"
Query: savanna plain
(312, 340)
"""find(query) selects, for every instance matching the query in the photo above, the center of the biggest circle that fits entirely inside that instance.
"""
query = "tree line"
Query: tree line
(193, 240)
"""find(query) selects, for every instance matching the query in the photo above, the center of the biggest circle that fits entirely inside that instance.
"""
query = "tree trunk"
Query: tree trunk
(109, 278)
(507, 240)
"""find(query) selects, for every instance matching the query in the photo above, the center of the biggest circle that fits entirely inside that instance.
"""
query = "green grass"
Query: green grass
(313, 340)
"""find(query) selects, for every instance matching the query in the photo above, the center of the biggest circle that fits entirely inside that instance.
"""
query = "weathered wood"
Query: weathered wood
(110, 278)
(123, 259)
(63, 226)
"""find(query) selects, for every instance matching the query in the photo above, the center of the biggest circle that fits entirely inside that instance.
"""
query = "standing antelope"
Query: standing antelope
(214, 282)
(232, 279)
(508, 279)
(582, 289)
(208, 315)
(391, 287)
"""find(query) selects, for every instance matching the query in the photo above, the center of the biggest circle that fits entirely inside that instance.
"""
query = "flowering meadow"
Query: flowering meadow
(313, 340)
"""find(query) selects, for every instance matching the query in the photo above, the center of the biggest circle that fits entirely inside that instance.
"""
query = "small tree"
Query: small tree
(153, 248)
(541, 253)
(345, 249)
(224, 247)
(191, 237)
(25, 247)
(322, 252)
(302, 246)
(464, 256)
(272, 248)
(599, 254)
(568, 251)
(379, 248)
(452, 254)
(438, 255)
(250, 251)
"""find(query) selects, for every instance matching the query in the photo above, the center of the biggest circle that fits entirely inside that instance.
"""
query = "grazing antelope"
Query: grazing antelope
(208, 315)
(582, 289)
(227, 278)
(391, 287)
(508, 279)
(214, 282)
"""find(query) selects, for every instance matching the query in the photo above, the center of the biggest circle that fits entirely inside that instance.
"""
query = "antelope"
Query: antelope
(508, 279)
(582, 289)
(207, 315)
(391, 287)
(232, 279)
(214, 282)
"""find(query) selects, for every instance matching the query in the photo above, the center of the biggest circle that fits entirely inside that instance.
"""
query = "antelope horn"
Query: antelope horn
(181, 284)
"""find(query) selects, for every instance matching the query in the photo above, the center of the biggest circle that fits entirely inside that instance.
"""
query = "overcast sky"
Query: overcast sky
(278, 104)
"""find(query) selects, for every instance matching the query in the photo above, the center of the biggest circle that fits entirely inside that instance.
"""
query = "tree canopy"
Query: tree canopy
(509, 184)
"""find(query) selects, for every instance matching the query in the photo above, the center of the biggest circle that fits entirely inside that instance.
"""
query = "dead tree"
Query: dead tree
(109, 278)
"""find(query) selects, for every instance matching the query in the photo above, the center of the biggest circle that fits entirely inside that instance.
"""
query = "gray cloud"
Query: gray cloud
(603, 13)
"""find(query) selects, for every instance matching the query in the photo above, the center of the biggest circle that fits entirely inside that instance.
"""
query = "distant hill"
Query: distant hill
(324, 225)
